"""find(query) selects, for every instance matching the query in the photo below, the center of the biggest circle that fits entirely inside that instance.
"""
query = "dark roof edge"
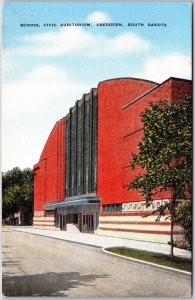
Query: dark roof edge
(152, 89)
(132, 78)
(177, 78)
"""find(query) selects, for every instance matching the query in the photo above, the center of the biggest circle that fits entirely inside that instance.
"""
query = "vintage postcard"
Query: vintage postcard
(97, 149)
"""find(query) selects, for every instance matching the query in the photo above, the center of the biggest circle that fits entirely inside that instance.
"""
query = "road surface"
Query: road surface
(40, 266)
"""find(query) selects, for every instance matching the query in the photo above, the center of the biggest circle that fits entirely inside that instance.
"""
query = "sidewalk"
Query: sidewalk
(103, 241)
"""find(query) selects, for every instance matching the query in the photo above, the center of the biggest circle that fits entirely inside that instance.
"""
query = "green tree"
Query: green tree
(17, 193)
(165, 153)
(184, 216)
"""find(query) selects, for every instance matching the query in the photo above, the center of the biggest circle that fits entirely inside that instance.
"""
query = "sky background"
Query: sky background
(46, 69)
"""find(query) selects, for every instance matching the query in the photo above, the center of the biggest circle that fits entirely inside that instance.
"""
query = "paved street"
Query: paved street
(103, 241)
(34, 265)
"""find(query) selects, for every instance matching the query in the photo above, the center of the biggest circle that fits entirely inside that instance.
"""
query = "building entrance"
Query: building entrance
(87, 223)
(78, 218)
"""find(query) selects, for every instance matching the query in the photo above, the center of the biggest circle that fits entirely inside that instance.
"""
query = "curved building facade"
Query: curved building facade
(80, 177)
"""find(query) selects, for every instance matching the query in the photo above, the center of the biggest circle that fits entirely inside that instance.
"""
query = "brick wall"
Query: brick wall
(49, 173)
(120, 103)
(112, 96)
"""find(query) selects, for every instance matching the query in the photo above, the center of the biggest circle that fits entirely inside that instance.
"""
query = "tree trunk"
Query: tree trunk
(172, 224)
(13, 219)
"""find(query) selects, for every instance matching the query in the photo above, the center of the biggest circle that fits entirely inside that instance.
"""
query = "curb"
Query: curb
(189, 274)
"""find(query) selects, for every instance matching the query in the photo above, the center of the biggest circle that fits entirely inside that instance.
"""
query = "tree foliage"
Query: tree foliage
(17, 191)
(184, 216)
(166, 149)
(165, 153)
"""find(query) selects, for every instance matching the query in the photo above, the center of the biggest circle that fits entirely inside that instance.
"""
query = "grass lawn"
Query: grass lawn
(156, 258)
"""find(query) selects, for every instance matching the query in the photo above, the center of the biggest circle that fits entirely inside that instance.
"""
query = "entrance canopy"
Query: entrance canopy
(73, 201)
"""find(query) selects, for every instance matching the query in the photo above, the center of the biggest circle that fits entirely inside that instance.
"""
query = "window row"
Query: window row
(50, 212)
(112, 208)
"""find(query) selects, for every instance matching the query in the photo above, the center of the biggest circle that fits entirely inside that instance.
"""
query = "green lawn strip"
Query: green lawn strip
(156, 258)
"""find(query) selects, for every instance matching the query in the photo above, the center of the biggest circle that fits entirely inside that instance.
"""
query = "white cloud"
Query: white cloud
(30, 109)
(67, 40)
(46, 84)
(75, 40)
(98, 17)
(170, 65)
(126, 43)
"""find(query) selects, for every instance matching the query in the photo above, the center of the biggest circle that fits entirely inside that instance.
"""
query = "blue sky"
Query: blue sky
(46, 69)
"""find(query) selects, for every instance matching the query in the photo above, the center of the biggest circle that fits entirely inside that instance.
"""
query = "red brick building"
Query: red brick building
(80, 177)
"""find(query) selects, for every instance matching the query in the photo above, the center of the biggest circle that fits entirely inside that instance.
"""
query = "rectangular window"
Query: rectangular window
(50, 212)
(112, 208)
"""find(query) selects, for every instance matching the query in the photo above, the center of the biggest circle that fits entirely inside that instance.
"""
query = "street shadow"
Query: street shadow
(47, 284)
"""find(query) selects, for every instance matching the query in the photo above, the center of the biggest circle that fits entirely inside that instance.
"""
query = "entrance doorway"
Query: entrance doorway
(87, 223)
(63, 222)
